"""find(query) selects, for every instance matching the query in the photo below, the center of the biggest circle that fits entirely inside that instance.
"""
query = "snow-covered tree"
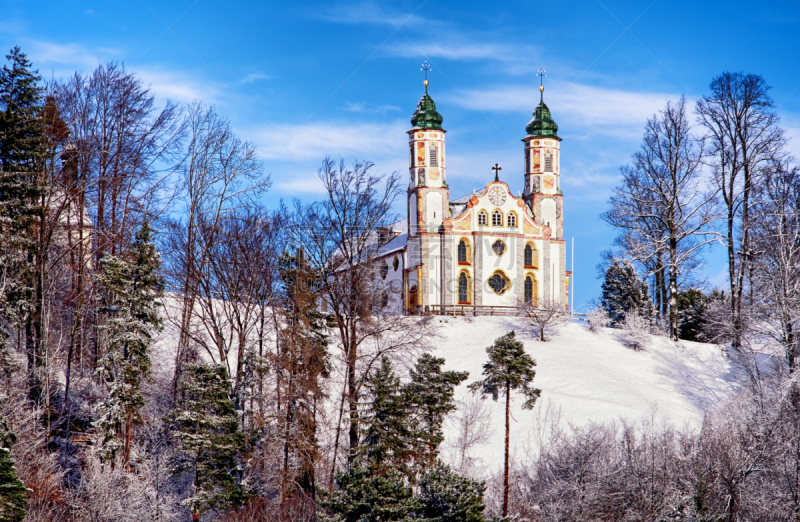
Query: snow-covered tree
(206, 426)
(508, 369)
(662, 201)
(636, 331)
(691, 307)
(20, 148)
(132, 288)
(446, 496)
(624, 293)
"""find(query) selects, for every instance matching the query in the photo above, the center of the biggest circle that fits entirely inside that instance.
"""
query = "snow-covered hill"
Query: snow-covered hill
(587, 377)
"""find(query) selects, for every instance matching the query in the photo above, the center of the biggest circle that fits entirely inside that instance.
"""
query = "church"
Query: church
(485, 252)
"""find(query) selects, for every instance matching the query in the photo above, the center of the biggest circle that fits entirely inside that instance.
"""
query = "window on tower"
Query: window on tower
(433, 155)
(548, 162)
(411, 147)
(527, 160)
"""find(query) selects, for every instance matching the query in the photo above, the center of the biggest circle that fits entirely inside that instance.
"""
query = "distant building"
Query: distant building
(486, 249)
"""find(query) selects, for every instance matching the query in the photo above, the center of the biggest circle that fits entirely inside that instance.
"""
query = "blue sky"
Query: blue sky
(303, 80)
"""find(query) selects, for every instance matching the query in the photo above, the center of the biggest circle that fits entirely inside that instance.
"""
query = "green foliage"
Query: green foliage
(446, 496)
(624, 292)
(508, 369)
(691, 309)
(206, 426)
(388, 436)
(13, 504)
(430, 394)
(363, 496)
(21, 141)
(132, 287)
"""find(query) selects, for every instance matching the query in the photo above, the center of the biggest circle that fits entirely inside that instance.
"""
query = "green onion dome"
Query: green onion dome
(426, 117)
(542, 123)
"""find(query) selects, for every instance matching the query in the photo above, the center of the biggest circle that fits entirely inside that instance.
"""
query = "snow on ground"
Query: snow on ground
(588, 378)
(584, 377)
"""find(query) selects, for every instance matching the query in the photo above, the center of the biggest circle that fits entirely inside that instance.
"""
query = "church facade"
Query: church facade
(489, 250)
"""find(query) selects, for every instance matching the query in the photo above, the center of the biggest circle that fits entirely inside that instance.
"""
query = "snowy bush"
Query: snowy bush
(636, 331)
(597, 319)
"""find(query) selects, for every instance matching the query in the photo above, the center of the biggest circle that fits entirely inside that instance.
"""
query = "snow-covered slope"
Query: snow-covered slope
(588, 377)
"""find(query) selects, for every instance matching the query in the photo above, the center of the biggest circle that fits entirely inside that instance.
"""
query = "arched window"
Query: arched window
(396, 263)
(434, 157)
(499, 283)
(527, 160)
(512, 219)
(548, 162)
(497, 218)
(528, 290)
(482, 218)
(531, 256)
(412, 155)
(384, 270)
(463, 288)
(463, 252)
(384, 299)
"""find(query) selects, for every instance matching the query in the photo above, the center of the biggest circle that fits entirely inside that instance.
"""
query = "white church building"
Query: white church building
(486, 251)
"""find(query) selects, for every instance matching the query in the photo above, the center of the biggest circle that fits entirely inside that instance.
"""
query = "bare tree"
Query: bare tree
(744, 141)
(662, 202)
(546, 314)
(220, 174)
(339, 236)
(776, 241)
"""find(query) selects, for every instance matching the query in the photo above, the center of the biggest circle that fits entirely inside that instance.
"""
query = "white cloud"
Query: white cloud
(65, 59)
(250, 78)
(177, 86)
(365, 107)
(596, 109)
(461, 50)
(367, 13)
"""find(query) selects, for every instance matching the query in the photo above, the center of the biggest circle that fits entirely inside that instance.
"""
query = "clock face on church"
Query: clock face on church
(497, 196)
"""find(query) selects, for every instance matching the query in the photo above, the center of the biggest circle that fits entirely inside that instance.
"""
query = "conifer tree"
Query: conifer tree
(388, 436)
(363, 496)
(691, 308)
(206, 426)
(132, 286)
(430, 394)
(624, 292)
(508, 369)
(13, 503)
(446, 496)
(21, 140)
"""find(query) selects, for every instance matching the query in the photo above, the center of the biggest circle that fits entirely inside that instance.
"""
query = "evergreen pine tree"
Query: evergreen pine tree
(363, 496)
(624, 292)
(206, 425)
(13, 503)
(509, 369)
(430, 394)
(446, 496)
(21, 142)
(388, 436)
(132, 287)
(691, 310)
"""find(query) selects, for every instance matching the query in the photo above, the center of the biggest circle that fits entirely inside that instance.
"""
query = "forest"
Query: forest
(164, 354)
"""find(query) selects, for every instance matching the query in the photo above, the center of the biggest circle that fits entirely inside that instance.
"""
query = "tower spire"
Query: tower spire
(541, 74)
(426, 67)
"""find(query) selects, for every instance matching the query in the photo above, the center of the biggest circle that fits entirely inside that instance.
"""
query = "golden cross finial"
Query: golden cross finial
(541, 76)
(426, 67)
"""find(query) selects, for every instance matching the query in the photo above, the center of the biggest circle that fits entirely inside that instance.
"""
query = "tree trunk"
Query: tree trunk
(673, 290)
(505, 469)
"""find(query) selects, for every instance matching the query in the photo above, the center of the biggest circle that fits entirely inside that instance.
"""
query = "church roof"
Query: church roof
(426, 117)
(542, 123)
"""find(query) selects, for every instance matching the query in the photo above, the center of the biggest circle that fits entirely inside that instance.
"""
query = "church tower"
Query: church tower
(542, 168)
(428, 201)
